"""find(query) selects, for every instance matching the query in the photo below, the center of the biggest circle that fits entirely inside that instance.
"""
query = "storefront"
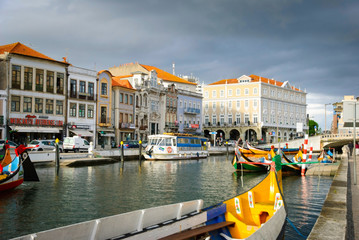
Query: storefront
(106, 138)
(24, 130)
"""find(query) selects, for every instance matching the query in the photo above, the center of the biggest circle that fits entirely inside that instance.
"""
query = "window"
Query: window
(230, 92)
(39, 105)
(255, 91)
(246, 103)
(121, 97)
(49, 106)
(238, 118)
(90, 111)
(214, 94)
(206, 106)
(131, 100)
(265, 91)
(255, 118)
(121, 117)
(73, 88)
(50, 82)
(214, 106)
(230, 119)
(126, 98)
(238, 92)
(206, 120)
(222, 120)
(15, 103)
(206, 94)
(104, 88)
(246, 118)
(60, 83)
(230, 104)
(82, 110)
(28, 78)
(222, 105)
(91, 91)
(16, 76)
(73, 109)
(214, 119)
(130, 119)
(246, 91)
(238, 103)
(103, 114)
(222, 93)
(27, 104)
(59, 107)
(255, 103)
(39, 80)
(82, 87)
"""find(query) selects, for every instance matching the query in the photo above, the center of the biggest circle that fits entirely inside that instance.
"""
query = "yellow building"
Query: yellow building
(253, 108)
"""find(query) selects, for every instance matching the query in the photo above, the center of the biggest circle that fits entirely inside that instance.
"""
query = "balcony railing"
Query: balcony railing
(104, 120)
(192, 110)
(82, 95)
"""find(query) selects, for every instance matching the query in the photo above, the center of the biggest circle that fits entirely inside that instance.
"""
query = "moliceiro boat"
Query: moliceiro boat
(13, 172)
(171, 146)
(259, 213)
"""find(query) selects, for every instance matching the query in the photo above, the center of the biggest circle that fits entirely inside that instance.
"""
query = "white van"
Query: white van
(75, 144)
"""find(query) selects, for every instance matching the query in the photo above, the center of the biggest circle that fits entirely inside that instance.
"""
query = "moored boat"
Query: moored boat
(172, 146)
(13, 172)
(255, 214)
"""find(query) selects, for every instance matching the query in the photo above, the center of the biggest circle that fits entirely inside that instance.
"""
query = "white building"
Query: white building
(82, 92)
(36, 90)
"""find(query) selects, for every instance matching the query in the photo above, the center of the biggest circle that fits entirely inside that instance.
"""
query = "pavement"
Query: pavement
(339, 218)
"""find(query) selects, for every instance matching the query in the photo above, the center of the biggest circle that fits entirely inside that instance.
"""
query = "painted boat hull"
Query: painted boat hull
(176, 156)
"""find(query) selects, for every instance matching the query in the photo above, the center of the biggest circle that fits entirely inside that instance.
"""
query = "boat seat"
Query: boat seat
(198, 231)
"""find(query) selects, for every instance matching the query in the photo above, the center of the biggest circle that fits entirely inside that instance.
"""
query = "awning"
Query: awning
(82, 132)
(36, 129)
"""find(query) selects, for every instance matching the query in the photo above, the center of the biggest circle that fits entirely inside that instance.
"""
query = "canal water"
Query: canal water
(84, 193)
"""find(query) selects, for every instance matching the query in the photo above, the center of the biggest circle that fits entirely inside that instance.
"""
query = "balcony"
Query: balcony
(82, 95)
(192, 111)
(171, 125)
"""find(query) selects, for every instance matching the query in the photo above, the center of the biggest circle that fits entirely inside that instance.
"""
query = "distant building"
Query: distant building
(82, 110)
(105, 123)
(339, 126)
(253, 108)
(35, 87)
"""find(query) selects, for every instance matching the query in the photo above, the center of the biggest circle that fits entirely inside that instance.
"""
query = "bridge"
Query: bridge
(320, 141)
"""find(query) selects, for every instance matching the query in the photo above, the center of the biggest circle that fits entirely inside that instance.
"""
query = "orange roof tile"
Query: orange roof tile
(254, 78)
(21, 49)
(118, 82)
(167, 76)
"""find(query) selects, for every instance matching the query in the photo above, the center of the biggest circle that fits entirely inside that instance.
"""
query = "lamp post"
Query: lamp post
(325, 112)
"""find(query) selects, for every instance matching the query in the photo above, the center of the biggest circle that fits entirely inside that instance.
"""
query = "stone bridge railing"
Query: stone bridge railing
(327, 137)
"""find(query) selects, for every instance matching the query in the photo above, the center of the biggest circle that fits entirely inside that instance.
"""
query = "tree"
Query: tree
(312, 126)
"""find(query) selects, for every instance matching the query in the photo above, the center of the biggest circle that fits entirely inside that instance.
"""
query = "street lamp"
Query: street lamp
(325, 112)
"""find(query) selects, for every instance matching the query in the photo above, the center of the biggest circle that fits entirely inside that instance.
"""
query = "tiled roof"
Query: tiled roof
(119, 82)
(21, 49)
(254, 78)
(167, 76)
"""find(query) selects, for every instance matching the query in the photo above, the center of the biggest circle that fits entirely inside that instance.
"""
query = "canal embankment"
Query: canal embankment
(335, 217)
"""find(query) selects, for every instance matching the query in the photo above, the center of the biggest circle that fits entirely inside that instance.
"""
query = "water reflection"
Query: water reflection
(79, 194)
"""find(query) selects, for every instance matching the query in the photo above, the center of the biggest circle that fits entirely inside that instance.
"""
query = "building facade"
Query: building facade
(105, 123)
(253, 108)
(123, 109)
(345, 107)
(82, 93)
(36, 90)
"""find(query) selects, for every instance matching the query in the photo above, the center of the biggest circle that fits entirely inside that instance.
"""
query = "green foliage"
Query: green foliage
(312, 131)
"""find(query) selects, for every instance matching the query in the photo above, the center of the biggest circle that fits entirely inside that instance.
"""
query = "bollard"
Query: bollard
(140, 150)
(122, 153)
(227, 149)
(57, 154)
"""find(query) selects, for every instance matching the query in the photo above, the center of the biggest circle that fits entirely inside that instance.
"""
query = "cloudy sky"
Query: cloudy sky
(312, 44)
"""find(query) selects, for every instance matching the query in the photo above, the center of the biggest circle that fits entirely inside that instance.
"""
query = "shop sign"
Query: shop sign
(35, 122)
(194, 125)
(79, 126)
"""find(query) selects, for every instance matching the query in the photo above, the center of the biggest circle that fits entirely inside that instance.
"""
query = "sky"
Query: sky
(313, 44)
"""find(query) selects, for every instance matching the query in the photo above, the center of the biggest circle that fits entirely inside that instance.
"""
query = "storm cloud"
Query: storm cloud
(312, 44)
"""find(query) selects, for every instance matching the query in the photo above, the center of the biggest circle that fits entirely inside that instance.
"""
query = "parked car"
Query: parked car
(11, 143)
(131, 144)
(61, 148)
(41, 145)
(144, 144)
(75, 144)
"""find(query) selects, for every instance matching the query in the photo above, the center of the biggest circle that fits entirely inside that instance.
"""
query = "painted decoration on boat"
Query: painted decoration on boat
(250, 199)
(237, 205)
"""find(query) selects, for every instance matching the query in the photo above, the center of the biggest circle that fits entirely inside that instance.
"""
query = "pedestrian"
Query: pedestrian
(357, 148)
(350, 145)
